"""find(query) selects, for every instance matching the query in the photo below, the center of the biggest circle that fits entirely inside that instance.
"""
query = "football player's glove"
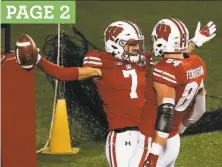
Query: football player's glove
(151, 160)
(204, 35)
(39, 56)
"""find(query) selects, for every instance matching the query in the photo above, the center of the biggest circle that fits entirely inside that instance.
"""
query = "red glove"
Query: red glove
(151, 160)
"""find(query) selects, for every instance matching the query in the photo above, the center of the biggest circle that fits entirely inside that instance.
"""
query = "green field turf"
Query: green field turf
(204, 150)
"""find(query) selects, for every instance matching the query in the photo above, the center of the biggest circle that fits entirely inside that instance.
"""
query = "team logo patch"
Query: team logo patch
(127, 143)
(163, 31)
(128, 66)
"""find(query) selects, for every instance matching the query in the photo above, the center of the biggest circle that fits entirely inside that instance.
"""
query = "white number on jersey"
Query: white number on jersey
(188, 95)
(175, 62)
(133, 75)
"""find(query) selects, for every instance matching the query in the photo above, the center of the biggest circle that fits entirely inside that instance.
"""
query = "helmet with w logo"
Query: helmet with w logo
(121, 33)
(170, 36)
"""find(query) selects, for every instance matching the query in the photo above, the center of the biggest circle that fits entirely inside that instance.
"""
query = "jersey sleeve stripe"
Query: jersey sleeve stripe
(92, 58)
(165, 73)
(92, 62)
(164, 77)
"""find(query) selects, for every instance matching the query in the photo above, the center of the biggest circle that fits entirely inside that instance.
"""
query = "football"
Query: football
(26, 52)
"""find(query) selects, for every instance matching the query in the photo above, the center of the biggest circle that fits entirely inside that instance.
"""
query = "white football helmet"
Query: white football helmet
(120, 33)
(169, 36)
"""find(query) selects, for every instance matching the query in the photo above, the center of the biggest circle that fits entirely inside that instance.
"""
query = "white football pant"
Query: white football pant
(167, 156)
(141, 152)
(170, 152)
(120, 147)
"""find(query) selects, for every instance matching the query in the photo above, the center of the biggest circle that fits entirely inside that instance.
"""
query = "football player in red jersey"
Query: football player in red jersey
(175, 86)
(121, 86)
(119, 74)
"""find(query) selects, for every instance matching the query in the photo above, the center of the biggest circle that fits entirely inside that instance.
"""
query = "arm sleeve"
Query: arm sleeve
(58, 72)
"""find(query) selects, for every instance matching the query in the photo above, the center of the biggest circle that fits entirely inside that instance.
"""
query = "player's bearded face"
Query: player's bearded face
(133, 50)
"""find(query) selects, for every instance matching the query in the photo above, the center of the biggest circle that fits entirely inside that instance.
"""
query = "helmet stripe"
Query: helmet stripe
(185, 33)
(138, 29)
(181, 33)
(133, 27)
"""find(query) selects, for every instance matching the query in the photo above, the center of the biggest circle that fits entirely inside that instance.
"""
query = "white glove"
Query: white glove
(39, 56)
(204, 35)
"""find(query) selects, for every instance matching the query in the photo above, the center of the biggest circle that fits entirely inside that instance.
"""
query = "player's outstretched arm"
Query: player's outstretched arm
(67, 74)
(196, 112)
(202, 36)
(89, 72)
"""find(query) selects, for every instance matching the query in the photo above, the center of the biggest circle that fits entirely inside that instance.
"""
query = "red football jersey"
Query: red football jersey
(121, 88)
(186, 76)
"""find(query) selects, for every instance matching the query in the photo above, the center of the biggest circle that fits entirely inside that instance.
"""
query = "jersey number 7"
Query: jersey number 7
(133, 75)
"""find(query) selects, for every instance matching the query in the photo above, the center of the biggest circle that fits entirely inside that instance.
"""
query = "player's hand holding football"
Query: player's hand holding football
(39, 56)
(204, 35)
(27, 56)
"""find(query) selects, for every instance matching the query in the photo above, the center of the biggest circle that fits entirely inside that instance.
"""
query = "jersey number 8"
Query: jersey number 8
(188, 95)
